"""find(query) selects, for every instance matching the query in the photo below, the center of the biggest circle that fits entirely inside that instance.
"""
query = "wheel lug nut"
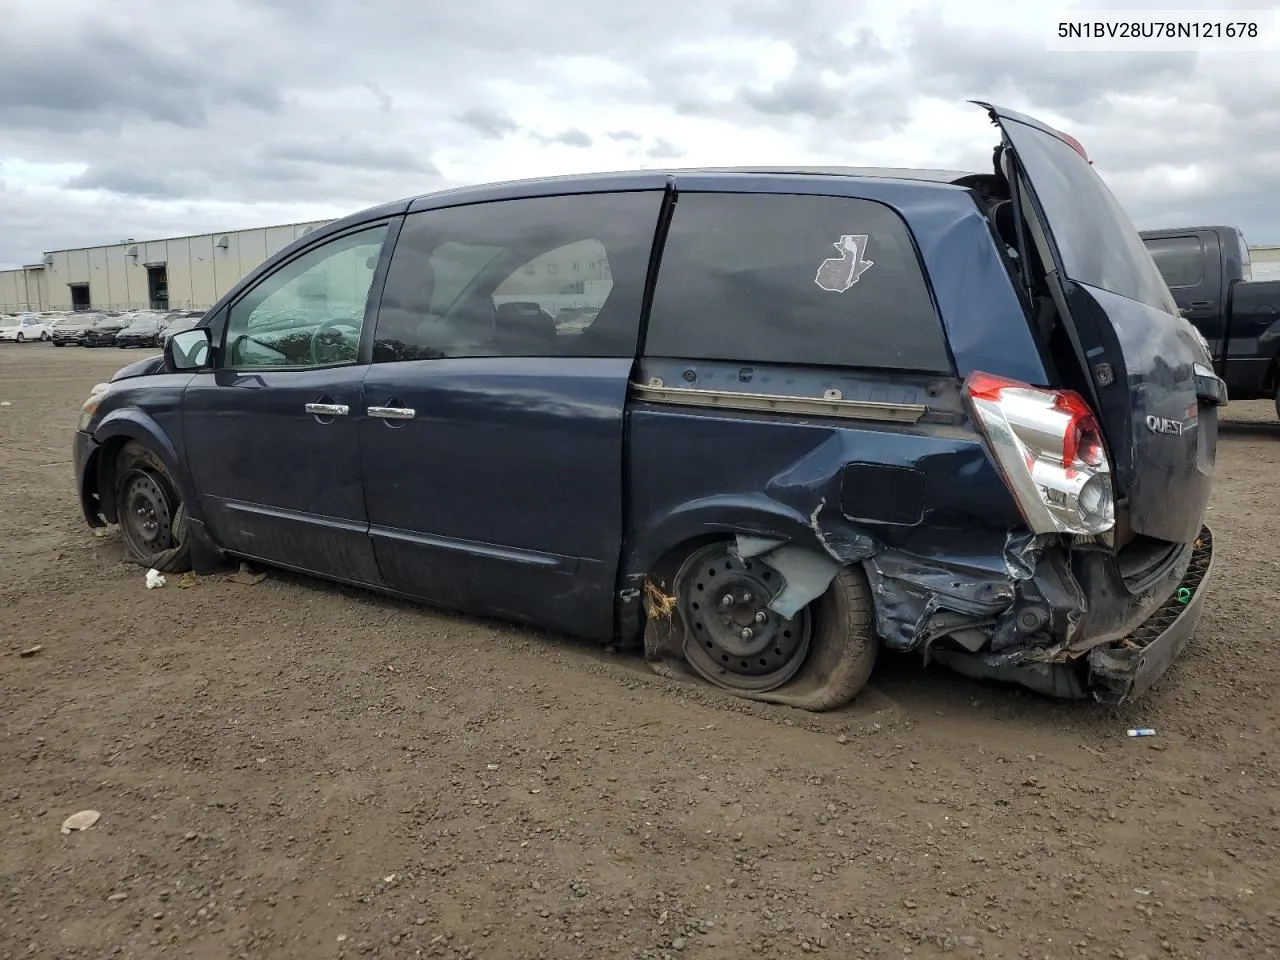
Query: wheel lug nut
(761, 617)
(746, 596)
(726, 600)
(746, 633)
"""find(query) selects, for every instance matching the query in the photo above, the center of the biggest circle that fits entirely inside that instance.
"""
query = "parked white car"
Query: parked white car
(27, 327)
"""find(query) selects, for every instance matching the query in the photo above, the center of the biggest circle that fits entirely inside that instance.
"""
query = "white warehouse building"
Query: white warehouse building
(173, 274)
(1265, 261)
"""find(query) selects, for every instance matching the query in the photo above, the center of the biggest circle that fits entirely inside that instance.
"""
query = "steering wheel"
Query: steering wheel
(325, 328)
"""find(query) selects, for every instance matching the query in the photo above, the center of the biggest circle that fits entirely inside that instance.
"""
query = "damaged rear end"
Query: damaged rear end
(1022, 501)
(1091, 613)
(1111, 461)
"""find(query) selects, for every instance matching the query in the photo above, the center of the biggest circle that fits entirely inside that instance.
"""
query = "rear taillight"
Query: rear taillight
(1048, 446)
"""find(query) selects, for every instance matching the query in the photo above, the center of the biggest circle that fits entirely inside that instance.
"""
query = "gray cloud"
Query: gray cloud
(572, 137)
(136, 182)
(105, 77)
(350, 153)
(662, 149)
(491, 124)
(988, 61)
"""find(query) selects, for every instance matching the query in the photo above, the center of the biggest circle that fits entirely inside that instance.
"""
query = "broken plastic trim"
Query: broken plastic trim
(806, 574)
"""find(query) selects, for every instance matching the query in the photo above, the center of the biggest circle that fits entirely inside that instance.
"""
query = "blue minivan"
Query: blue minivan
(755, 423)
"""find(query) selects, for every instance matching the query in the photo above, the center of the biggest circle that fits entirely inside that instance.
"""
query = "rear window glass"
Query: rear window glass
(1179, 259)
(1098, 242)
(824, 281)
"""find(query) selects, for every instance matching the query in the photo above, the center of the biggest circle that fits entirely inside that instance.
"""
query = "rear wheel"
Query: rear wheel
(20, 338)
(817, 660)
(152, 517)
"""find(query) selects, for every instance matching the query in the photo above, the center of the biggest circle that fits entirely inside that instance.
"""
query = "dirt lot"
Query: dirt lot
(291, 770)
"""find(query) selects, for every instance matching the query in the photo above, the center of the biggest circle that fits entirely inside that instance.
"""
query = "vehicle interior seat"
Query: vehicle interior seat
(523, 328)
(400, 324)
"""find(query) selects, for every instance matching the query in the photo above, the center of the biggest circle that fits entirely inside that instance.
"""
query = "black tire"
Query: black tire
(835, 658)
(20, 338)
(845, 646)
(44, 337)
(150, 511)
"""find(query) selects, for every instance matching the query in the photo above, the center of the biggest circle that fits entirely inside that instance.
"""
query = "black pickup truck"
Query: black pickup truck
(1208, 271)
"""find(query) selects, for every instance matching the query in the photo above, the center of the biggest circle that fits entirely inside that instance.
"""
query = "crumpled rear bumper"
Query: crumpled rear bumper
(1124, 671)
(1124, 641)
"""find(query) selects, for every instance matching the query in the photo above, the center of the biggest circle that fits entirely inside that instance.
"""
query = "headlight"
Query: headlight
(91, 405)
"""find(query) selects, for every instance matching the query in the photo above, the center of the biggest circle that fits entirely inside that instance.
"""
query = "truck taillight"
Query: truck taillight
(1048, 447)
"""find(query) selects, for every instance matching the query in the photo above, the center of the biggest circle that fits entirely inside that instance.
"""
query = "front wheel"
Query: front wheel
(152, 516)
(817, 660)
(44, 337)
(20, 338)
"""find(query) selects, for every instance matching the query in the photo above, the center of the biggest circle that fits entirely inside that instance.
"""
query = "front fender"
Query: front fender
(142, 368)
(131, 423)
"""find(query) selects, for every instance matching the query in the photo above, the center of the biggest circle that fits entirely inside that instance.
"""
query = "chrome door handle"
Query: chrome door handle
(328, 409)
(392, 413)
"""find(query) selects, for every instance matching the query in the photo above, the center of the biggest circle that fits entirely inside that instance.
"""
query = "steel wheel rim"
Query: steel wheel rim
(146, 513)
(734, 640)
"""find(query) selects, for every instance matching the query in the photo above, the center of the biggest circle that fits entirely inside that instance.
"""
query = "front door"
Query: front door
(493, 442)
(272, 434)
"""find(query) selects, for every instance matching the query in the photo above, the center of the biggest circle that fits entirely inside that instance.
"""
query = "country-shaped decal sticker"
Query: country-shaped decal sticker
(838, 274)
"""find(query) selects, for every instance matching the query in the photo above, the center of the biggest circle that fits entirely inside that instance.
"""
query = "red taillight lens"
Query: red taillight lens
(1089, 448)
(1075, 145)
(987, 386)
(1049, 448)
(1082, 440)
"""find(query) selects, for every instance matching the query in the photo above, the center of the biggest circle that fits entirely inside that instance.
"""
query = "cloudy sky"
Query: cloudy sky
(157, 118)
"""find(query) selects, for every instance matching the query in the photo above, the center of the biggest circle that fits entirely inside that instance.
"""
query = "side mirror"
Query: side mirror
(188, 350)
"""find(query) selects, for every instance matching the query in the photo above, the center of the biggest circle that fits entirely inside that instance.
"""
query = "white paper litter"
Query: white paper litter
(80, 821)
(154, 579)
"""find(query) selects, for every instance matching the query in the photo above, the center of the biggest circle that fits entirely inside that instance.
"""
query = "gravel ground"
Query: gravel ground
(294, 770)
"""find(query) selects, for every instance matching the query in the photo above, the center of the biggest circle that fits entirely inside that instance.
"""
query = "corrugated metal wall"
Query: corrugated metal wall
(1266, 262)
(198, 270)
